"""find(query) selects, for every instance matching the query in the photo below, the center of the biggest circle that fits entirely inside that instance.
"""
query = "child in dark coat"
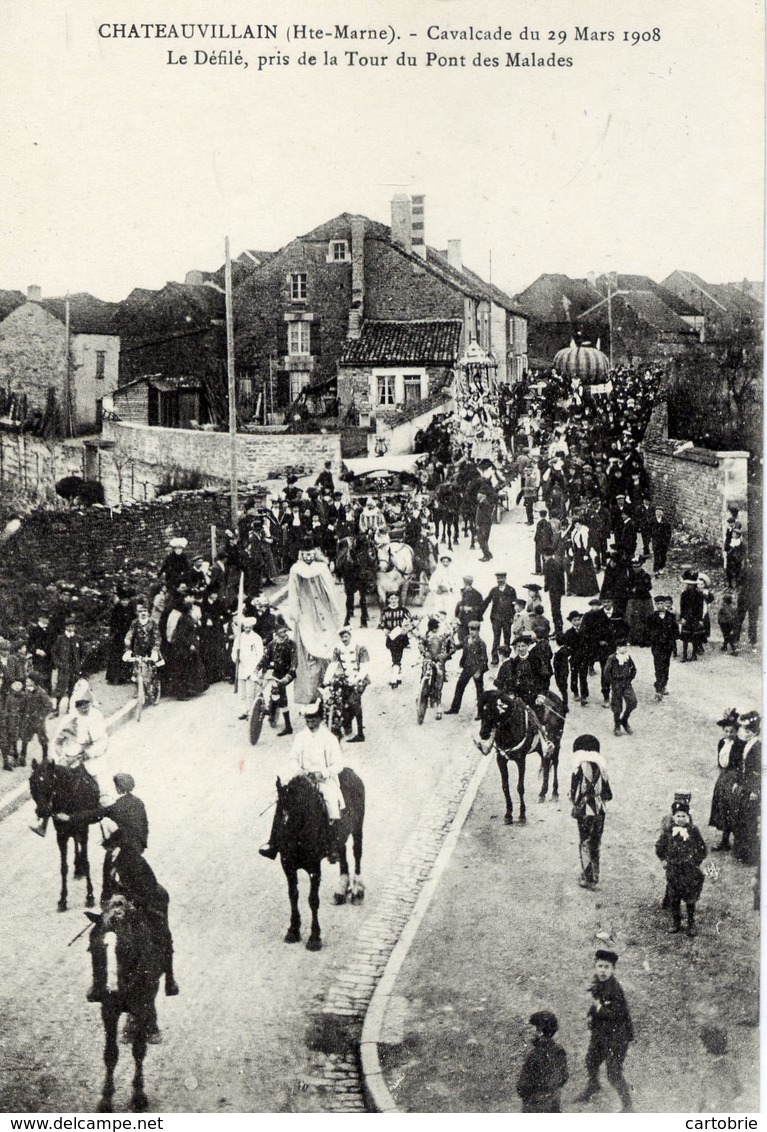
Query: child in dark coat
(682, 848)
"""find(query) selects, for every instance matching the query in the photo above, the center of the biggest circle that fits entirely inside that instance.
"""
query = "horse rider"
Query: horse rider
(351, 662)
(316, 754)
(523, 674)
(131, 876)
(82, 733)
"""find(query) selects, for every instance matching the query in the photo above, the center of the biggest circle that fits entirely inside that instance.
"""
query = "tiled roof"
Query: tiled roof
(415, 342)
(87, 314)
(557, 298)
(9, 300)
(630, 283)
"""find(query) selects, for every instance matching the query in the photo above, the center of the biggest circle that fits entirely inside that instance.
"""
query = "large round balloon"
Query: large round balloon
(588, 364)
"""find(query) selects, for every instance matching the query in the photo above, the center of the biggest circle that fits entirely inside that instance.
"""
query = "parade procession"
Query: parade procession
(312, 708)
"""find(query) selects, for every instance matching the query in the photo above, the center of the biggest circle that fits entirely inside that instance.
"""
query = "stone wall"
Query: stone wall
(142, 457)
(695, 486)
(29, 468)
(97, 544)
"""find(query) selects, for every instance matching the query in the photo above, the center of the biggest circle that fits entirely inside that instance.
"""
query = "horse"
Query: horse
(134, 965)
(395, 569)
(551, 711)
(355, 566)
(304, 840)
(71, 790)
(509, 725)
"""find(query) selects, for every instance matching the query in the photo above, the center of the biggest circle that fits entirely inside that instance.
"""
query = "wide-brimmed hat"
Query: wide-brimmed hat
(179, 542)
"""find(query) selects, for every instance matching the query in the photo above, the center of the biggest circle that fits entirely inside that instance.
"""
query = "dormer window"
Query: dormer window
(298, 281)
(338, 251)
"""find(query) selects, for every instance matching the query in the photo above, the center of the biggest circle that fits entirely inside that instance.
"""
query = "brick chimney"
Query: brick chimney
(454, 254)
(34, 293)
(401, 221)
(357, 309)
(418, 240)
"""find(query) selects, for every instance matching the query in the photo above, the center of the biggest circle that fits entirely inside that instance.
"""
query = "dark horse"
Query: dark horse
(70, 790)
(303, 839)
(356, 567)
(135, 962)
(509, 725)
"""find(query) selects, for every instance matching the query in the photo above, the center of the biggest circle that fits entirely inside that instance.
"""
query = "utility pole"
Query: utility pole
(231, 387)
(69, 424)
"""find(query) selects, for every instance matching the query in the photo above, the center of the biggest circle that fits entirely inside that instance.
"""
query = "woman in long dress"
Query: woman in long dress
(316, 613)
(729, 758)
(189, 677)
(583, 576)
(640, 605)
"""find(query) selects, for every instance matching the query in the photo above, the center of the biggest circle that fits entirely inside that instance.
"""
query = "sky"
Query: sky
(121, 169)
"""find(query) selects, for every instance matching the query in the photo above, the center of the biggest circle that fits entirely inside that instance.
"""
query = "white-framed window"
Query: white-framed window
(299, 379)
(412, 387)
(387, 389)
(338, 251)
(299, 337)
(392, 387)
(298, 281)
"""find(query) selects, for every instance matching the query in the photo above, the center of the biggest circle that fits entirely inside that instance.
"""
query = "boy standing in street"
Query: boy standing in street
(545, 1069)
(609, 1021)
(620, 672)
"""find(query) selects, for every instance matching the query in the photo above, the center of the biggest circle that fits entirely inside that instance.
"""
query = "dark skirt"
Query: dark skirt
(724, 803)
(685, 881)
(583, 576)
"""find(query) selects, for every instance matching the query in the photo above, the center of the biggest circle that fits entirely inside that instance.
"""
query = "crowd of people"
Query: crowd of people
(573, 462)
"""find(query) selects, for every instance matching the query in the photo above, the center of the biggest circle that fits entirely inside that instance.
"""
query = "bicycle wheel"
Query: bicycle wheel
(256, 720)
(139, 695)
(156, 692)
(423, 700)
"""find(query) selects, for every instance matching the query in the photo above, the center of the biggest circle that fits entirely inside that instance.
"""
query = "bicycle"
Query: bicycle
(429, 690)
(148, 686)
(265, 703)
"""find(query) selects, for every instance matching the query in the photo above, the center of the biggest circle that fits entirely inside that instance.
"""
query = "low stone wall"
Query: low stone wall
(30, 468)
(144, 456)
(695, 486)
(97, 544)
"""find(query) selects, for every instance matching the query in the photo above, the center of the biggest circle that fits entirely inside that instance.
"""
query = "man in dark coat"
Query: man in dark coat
(501, 602)
(692, 608)
(39, 643)
(67, 657)
(663, 633)
(128, 813)
(597, 637)
(660, 536)
(544, 540)
(473, 667)
(545, 1069)
(616, 583)
(469, 607)
(523, 674)
(555, 586)
(611, 1030)
(576, 645)
(487, 502)
(120, 621)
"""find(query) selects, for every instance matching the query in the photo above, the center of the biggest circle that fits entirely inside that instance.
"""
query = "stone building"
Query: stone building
(296, 313)
(62, 349)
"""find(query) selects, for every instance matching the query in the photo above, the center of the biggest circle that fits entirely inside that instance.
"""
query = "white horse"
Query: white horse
(395, 569)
